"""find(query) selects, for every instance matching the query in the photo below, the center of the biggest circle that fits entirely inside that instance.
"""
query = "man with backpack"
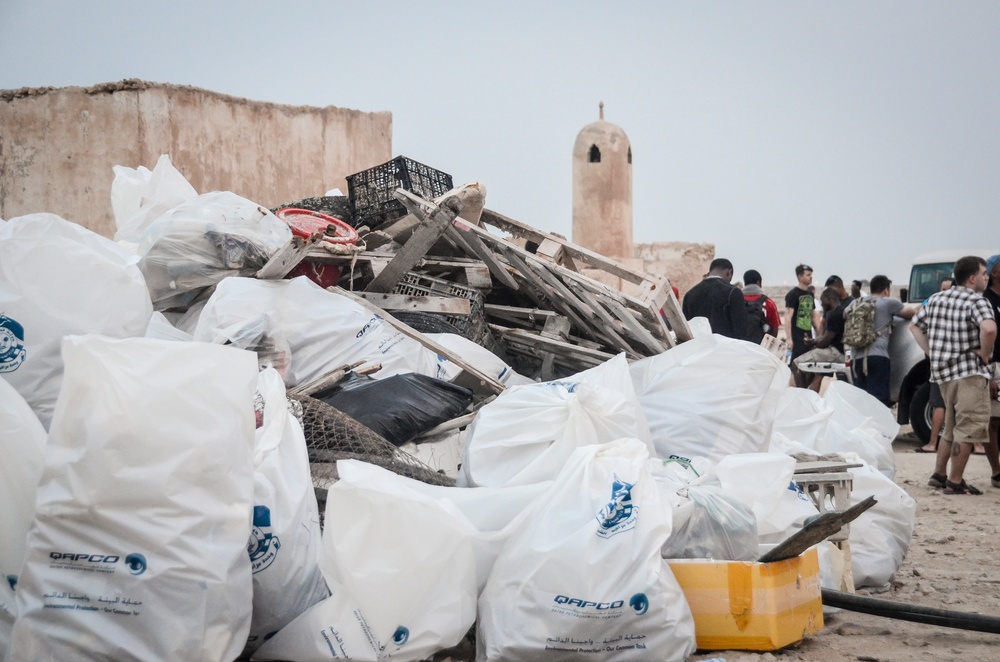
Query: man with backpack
(762, 312)
(867, 325)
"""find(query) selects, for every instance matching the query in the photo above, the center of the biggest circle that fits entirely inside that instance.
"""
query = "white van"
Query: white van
(909, 385)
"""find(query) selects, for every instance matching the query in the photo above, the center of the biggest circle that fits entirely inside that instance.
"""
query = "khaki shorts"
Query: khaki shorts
(821, 355)
(966, 409)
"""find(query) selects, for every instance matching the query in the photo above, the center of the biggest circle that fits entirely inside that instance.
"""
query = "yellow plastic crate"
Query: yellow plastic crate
(752, 606)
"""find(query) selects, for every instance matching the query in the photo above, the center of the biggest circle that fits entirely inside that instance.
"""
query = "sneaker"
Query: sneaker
(938, 480)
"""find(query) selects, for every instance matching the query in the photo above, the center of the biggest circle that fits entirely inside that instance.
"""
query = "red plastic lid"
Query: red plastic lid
(305, 222)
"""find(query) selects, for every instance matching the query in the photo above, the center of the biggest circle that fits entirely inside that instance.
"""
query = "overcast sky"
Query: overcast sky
(851, 135)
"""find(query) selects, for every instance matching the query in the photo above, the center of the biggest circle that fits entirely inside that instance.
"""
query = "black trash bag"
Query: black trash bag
(399, 408)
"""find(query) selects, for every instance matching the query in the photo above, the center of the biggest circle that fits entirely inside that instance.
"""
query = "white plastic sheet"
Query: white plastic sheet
(138, 550)
(284, 545)
(584, 577)
(401, 564)
(527, 434)
(323, 330)
(57, 278)
(710, 397)
(140, 196)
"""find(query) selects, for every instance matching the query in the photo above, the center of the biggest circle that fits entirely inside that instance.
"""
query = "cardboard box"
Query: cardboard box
(752, 606)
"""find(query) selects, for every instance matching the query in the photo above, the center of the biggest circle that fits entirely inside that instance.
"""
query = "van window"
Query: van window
(925, 279)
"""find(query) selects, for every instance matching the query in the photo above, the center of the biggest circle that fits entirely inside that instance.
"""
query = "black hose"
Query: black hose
(906, 612)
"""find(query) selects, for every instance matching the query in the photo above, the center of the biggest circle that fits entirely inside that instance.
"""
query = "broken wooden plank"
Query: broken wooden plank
(469, 240)
(425, 304)
(425, 236)
(480, 383)
(288, 257)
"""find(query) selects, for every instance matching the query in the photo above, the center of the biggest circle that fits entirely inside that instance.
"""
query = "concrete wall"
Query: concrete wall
(682, 263)
(58, 146)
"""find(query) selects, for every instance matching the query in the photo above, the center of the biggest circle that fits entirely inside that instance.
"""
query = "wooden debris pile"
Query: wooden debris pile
(450, 265)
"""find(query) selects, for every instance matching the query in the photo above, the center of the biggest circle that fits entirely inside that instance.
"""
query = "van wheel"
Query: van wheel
(920, 413)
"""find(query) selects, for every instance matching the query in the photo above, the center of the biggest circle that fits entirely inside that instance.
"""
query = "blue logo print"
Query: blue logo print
(619, 515)
(263, 546)
(639, 603)
(401, 635)
(136, 563)
(12, 350)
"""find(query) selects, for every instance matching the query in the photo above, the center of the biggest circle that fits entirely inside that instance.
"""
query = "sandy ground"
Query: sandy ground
(951, 564)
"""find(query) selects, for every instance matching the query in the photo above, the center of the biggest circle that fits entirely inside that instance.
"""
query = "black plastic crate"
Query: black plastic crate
(371, 191)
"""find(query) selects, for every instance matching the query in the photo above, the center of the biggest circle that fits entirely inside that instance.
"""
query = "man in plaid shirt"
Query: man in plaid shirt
(956, 330)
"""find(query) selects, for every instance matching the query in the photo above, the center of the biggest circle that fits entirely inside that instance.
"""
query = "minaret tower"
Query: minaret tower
(602, 189)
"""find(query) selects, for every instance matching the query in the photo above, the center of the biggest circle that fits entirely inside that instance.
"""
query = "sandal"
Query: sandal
(937, 480)
(960, 488)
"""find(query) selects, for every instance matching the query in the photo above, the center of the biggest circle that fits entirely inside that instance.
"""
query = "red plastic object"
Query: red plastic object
(305, 222)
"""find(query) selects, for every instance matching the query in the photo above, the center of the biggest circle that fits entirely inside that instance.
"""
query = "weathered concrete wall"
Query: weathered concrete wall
(682, 263)
(58, 146)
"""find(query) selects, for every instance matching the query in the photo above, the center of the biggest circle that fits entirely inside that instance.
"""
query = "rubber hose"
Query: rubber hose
(906, 612)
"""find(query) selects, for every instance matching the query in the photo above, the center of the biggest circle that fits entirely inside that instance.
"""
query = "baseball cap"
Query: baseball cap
(991, 263)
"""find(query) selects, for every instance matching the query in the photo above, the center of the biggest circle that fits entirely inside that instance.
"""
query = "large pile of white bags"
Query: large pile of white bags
(156, 488)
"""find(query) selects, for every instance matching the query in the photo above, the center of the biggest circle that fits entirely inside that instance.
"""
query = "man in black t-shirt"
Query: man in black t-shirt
(829, 347)
(799, 317)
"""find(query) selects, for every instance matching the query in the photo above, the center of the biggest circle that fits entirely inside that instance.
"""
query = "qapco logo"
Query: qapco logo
(12, 350)
(263, 546)
(619, 514)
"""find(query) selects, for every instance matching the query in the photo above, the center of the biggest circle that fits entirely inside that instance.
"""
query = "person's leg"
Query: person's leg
(937, 420)
(993, 451)
(960, 454)
(878, 379)
(944, 448)
(971, 424)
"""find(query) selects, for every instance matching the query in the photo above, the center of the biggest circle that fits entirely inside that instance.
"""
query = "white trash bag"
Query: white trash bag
(199, 242)
(527, 434)
(22, 447)
(138, 550)
(880, 537)
(139, 196)
(710, 397)
(323, 330)
(478, 357)
(584, 578)
(402, 570)
(285, 542)
(58, 278)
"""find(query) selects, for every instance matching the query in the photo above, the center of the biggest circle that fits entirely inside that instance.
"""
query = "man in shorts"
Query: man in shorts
(957, 330)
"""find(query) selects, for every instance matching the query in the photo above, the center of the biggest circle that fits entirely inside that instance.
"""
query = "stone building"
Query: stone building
(58, 146)
(602, 211)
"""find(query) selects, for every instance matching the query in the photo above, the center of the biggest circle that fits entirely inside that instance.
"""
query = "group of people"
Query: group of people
(956, 327)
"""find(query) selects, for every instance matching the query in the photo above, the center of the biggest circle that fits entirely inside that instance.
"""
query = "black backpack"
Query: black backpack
(756, 319)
